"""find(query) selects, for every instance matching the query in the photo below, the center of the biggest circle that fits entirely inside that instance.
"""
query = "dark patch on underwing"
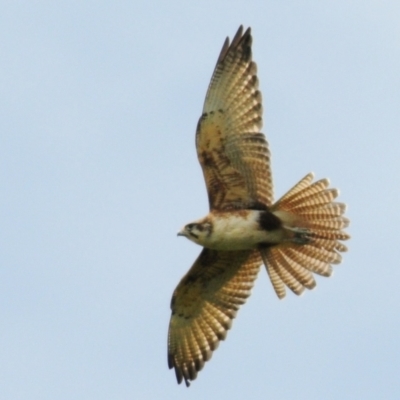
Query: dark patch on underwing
(207, 257)
(190, 278)
(269, 221)
(207, 159)
(265, 246)
(257, 205)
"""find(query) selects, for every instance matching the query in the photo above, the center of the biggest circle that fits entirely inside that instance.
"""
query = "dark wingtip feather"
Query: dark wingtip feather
(237, 36)
(170, 361)
(237, 39)
(179, 375)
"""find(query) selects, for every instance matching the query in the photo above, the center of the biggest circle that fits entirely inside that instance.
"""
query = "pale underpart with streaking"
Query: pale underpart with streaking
(294, 237)
(245, 230)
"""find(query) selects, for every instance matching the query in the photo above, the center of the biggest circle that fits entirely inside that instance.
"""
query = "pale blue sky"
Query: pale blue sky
(99, 102)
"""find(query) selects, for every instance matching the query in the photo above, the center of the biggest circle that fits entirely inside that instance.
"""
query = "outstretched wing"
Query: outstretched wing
(204, 304)
(232, 152)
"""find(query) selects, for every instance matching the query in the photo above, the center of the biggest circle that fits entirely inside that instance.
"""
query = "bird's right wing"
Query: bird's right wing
(232, 151)
(204, 304)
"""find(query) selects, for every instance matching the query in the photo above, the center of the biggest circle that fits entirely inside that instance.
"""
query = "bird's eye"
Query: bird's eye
(190, 226)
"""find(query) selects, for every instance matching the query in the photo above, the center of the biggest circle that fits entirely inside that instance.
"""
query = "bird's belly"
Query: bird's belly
(236, 241)
(240, 233)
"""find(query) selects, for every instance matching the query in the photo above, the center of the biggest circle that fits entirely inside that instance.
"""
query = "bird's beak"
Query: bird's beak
(182, 232)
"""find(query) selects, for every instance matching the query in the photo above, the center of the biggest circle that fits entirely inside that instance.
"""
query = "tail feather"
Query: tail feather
(313, 200)
(283, 270)
(306, 193)
(329, 244)
(289, 280)
(307, 206)
(269, 259)
(322, 254)
(326, 212)
(303, 183)
(341, 247)
(309, 262)
(286, 276)
(331, 224)
(304, 276)
(331, 235)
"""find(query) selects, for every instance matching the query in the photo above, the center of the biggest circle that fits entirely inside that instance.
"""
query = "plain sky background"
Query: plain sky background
(99, 102)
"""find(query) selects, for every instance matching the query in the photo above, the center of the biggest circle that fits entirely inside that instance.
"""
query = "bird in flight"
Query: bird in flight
(298, 235)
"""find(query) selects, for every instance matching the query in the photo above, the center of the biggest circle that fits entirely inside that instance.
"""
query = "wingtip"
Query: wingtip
(248, 31)
(238, 33)
(170, 361)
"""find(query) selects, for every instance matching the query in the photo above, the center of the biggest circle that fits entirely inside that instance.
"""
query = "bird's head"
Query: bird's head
(198, 231)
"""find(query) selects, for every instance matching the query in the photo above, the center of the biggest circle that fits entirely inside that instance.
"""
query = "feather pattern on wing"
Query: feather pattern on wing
(204, 304)
(234, 155)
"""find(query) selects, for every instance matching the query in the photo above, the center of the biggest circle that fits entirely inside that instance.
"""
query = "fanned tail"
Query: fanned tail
(309, 210)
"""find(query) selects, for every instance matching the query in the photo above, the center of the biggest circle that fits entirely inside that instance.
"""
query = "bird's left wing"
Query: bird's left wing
(204, 304)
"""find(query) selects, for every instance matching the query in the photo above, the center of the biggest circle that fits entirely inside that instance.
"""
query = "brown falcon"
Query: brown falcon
(299, 234)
